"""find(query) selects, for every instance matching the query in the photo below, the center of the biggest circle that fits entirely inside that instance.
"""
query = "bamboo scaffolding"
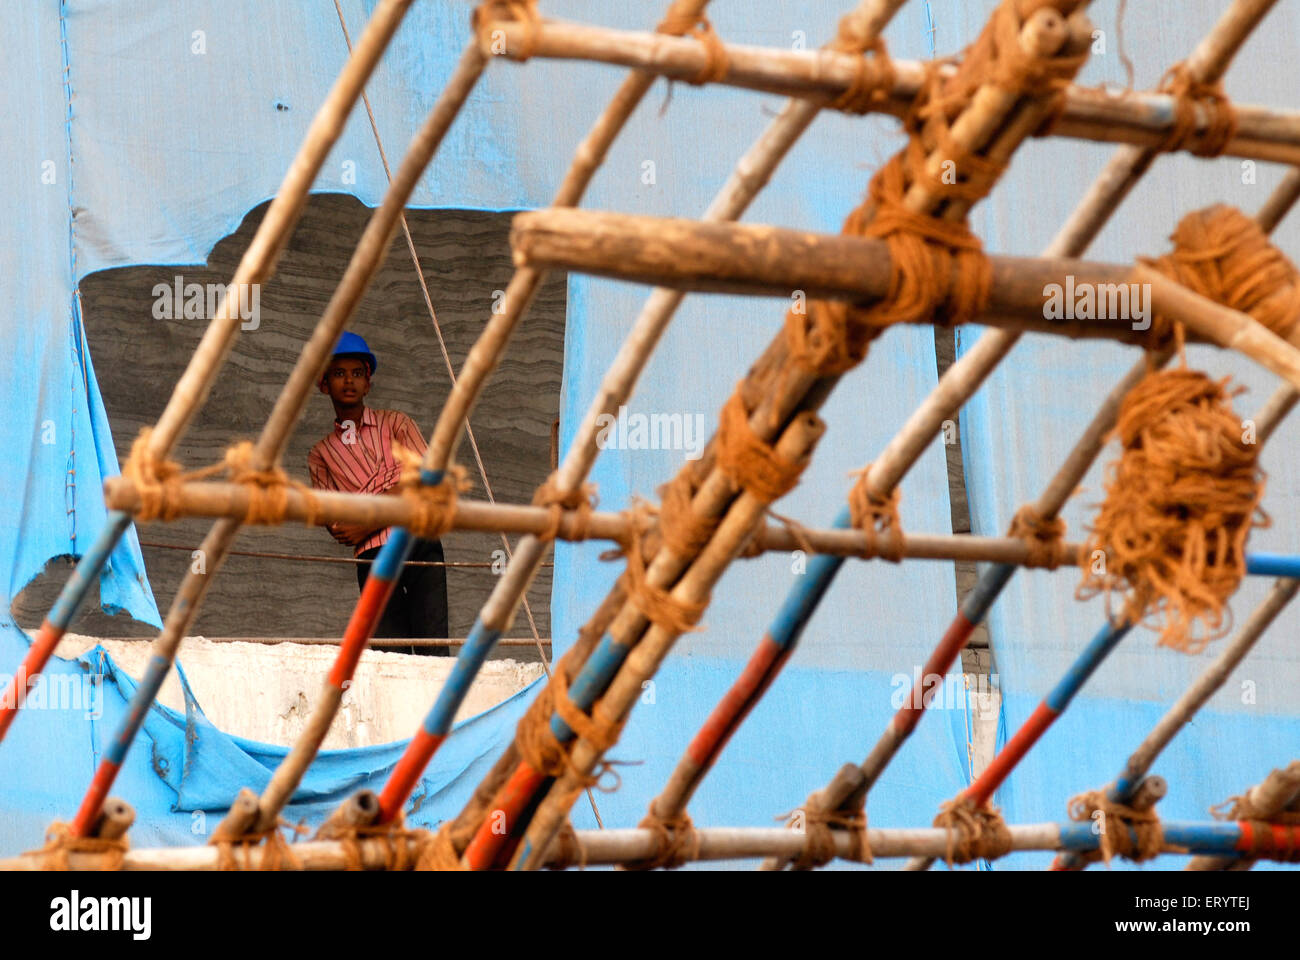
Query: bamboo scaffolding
(1193, 698)
(751, 174)
(365, 261)
(481, 362)
(596, 847)
(255, 267)
(1208, 61)
(781, 398)
(995, 122)
(1142, 119)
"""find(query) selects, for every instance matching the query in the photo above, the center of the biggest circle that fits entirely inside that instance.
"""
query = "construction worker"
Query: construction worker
(357, 457)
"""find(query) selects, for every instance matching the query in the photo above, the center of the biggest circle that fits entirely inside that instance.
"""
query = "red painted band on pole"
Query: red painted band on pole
(369, 608)
(510, 802)
(1011, 754)
(735, 705)
(941, 660)
(402, 780)
(93, 801)
(38, 655)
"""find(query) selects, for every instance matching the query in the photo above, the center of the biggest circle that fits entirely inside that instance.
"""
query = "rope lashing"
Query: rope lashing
(683, 530)
(440, 852)
(1114, 824)
(60, 841)
(676, 842)
(1044, 538)
(433, 506)
(1226, 256)
(580, 501)
(1180, 503)
(868, 88)
(756, 545)
(681, 22)
(277, 854)
(750, 463)
(658, 605)
(490, 11)
(998, 57)
(396, 842)
(1188, 93)
(819, 837)
(538, 746)
(268, 490)
(974, 833)
(938, 266)
(536, 742)
(155, 480)
(158, 483)
(877, 518)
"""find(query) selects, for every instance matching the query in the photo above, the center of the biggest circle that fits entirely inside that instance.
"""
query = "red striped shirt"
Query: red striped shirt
(359, 458)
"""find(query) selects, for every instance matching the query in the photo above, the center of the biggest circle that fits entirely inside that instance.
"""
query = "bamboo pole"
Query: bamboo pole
(994, 122)
(365, 261)
(762, 260)
(596, 847)
(1142, 119)
(255, 267)
(750, 175)
(1193, 698)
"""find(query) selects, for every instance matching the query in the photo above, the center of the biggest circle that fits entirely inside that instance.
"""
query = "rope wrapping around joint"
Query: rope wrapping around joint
(1124, 831)
(579, 502)
(276, 853)
(433, 506)
(395, 837)
(675, 842)
(1188, 94)
(536, 741)
(158, 483)
(877, 518)
(491, 11)
(751, 463)
(440, 852)
(874, 77)
(819, 828)
(1180, 502)
(60, 842)
(1044, 537)
(973, 832)
(716, 62)
(1258, 823)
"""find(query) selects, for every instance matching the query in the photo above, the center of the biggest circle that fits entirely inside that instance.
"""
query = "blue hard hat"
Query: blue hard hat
(351, 344)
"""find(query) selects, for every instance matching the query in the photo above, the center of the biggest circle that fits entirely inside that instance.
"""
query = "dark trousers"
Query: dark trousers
(418, 605)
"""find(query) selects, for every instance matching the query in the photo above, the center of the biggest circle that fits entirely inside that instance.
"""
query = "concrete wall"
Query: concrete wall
(138, 359)
(266, 692)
